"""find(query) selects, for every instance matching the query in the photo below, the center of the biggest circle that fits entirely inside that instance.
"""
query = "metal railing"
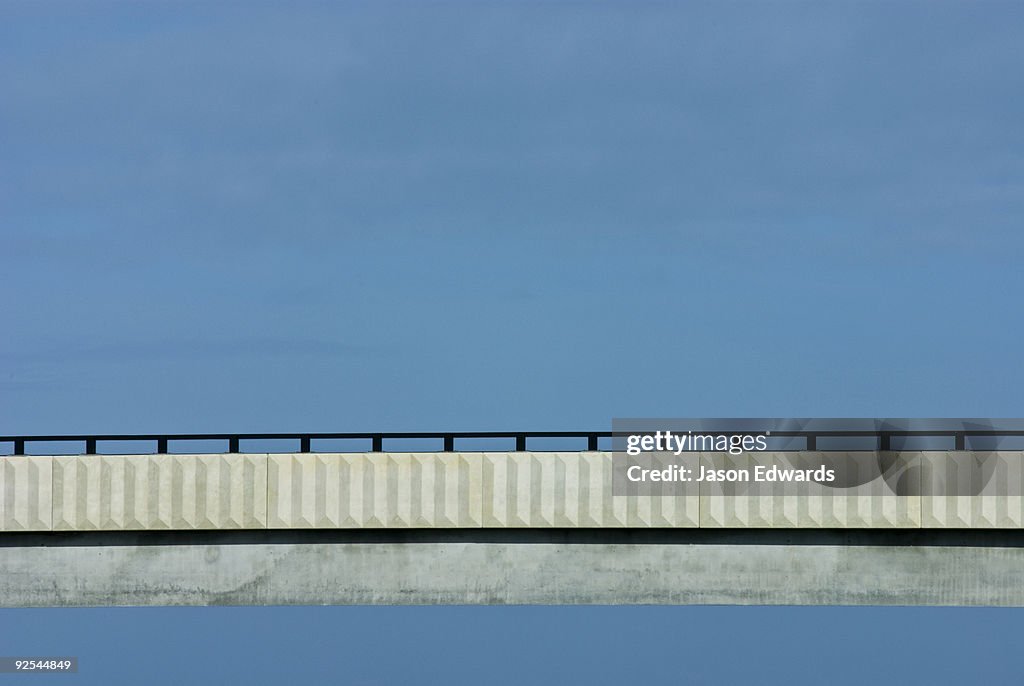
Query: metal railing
(305, 439)
(448, 439)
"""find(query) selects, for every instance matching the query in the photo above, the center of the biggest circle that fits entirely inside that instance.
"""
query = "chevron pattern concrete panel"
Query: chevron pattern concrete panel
(868, 493)
(374, 490)
(570, 490)
(979, 490)
(126, 492)
(25, 493)
(495, 490)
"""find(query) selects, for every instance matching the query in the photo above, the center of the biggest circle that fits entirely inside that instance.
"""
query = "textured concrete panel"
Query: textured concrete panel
(114, 492)
(978, 490)
(496, 490)
(457, 490)
(570, 490)
(868, 493)
(374, 490)
(26, 487)
(502, 573)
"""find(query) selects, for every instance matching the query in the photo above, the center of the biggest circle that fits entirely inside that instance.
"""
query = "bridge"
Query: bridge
(516, 521)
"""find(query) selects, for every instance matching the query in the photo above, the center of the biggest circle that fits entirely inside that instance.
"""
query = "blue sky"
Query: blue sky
(534, 216)
(445, 216)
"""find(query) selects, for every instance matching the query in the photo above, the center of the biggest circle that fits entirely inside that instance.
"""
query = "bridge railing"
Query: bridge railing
(448, 441)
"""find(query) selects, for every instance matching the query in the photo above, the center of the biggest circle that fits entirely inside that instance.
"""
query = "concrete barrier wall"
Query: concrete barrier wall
(26, 488)
(115, 492)
(447, 490)
(442, 490)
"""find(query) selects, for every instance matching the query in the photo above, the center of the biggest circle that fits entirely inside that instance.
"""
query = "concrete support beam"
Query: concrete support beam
(557, 570)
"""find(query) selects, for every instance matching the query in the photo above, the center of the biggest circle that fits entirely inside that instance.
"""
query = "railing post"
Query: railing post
(884, 442)
(377, 443)
(161, 446)
(233, 444)
(449, 444)
(959, 441)
(812, 442)
(304, 444)
(90, 446)
(592, 442)
(19, 446)
(520, 442)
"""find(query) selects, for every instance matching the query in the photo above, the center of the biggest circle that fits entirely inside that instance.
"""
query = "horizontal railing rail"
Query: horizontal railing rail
(448, 439)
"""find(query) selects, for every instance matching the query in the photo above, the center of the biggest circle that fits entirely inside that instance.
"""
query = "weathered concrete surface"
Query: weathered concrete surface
(26, 487)
(136, 530)
(499, 572)
(115, 492)
(464, 490)
(867, 500)
(997, 505)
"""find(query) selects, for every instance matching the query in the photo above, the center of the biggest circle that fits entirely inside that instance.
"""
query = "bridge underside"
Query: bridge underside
(482, 528)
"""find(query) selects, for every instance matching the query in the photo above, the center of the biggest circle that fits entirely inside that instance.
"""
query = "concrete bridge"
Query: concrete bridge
(512, 527)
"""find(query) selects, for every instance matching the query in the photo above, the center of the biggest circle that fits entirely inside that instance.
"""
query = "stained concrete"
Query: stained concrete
(561, 568)
(484, 528)
(468, 490)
